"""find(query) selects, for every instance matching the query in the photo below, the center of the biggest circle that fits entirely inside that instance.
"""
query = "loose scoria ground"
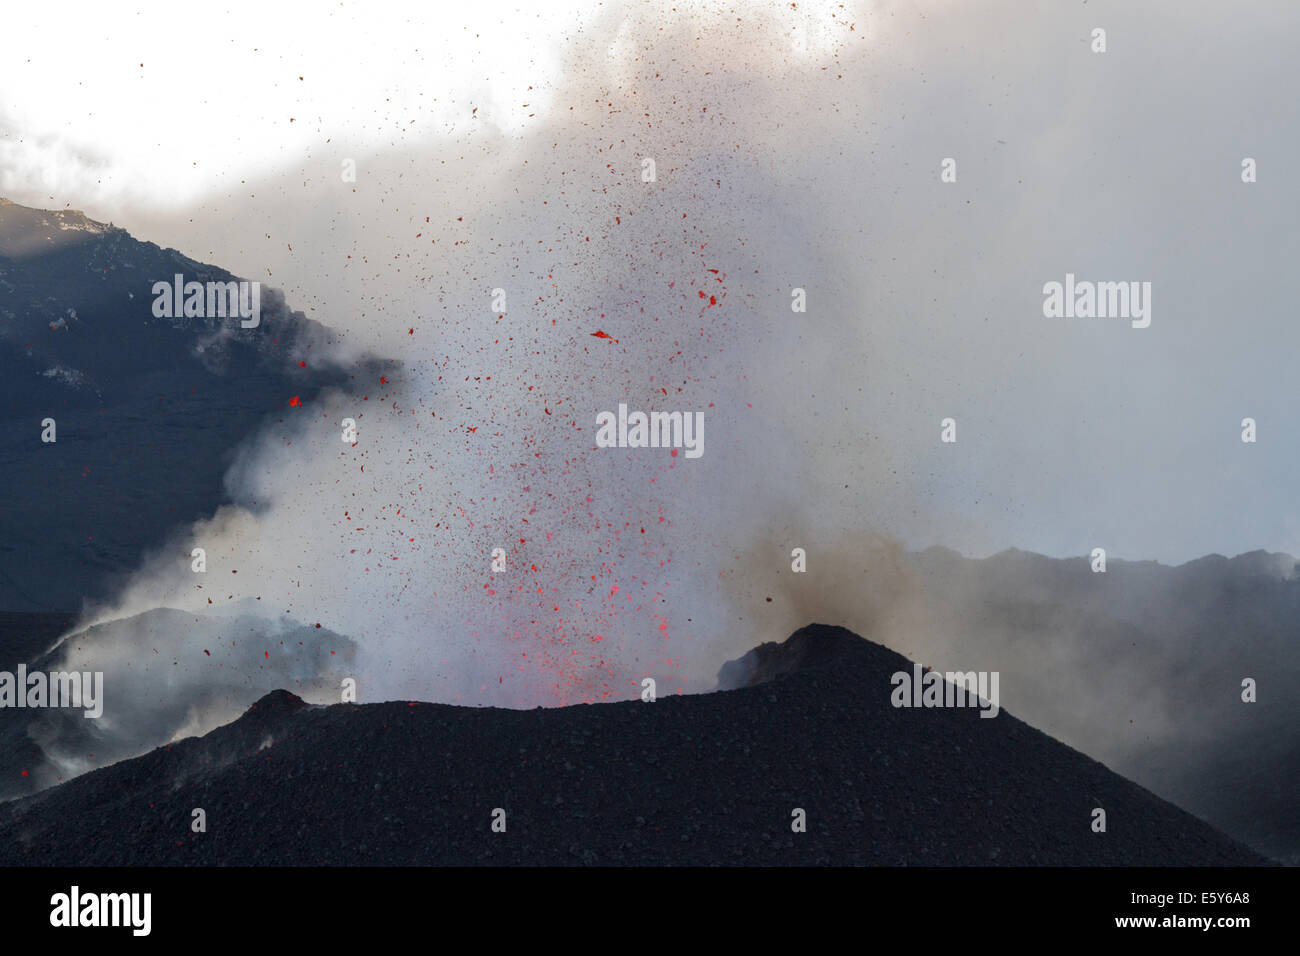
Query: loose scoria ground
(707, 779)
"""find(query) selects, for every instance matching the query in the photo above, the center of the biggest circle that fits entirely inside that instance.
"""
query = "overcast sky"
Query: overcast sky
(811, 153)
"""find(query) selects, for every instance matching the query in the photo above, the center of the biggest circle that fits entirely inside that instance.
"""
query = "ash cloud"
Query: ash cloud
(790, 152)
(481, 435)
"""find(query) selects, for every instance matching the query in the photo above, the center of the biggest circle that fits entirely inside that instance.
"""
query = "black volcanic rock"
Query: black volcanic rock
(271, 709)
(705, 779)
(816, 647)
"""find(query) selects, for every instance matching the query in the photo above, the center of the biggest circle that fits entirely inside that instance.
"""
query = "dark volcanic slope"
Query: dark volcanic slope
(25, 637)
(213, 664)
(697, 780)
(148, 410)
(1142, 668)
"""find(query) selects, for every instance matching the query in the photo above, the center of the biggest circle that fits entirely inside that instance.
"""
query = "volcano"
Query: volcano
(724, 778)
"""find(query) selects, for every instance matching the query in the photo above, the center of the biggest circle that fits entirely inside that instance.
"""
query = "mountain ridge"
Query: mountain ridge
(148, 411)
(702, 779)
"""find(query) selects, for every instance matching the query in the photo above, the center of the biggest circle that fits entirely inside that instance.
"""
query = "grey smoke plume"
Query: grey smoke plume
(481, 436)
(779, 169)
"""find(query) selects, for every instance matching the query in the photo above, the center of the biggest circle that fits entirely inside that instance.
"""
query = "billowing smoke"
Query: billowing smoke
(793, 147)
(653, 202)
(166, 674)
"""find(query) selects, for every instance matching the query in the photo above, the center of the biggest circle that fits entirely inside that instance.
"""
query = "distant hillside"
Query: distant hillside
(1142, 668)
(148, 410)
(166, 672)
